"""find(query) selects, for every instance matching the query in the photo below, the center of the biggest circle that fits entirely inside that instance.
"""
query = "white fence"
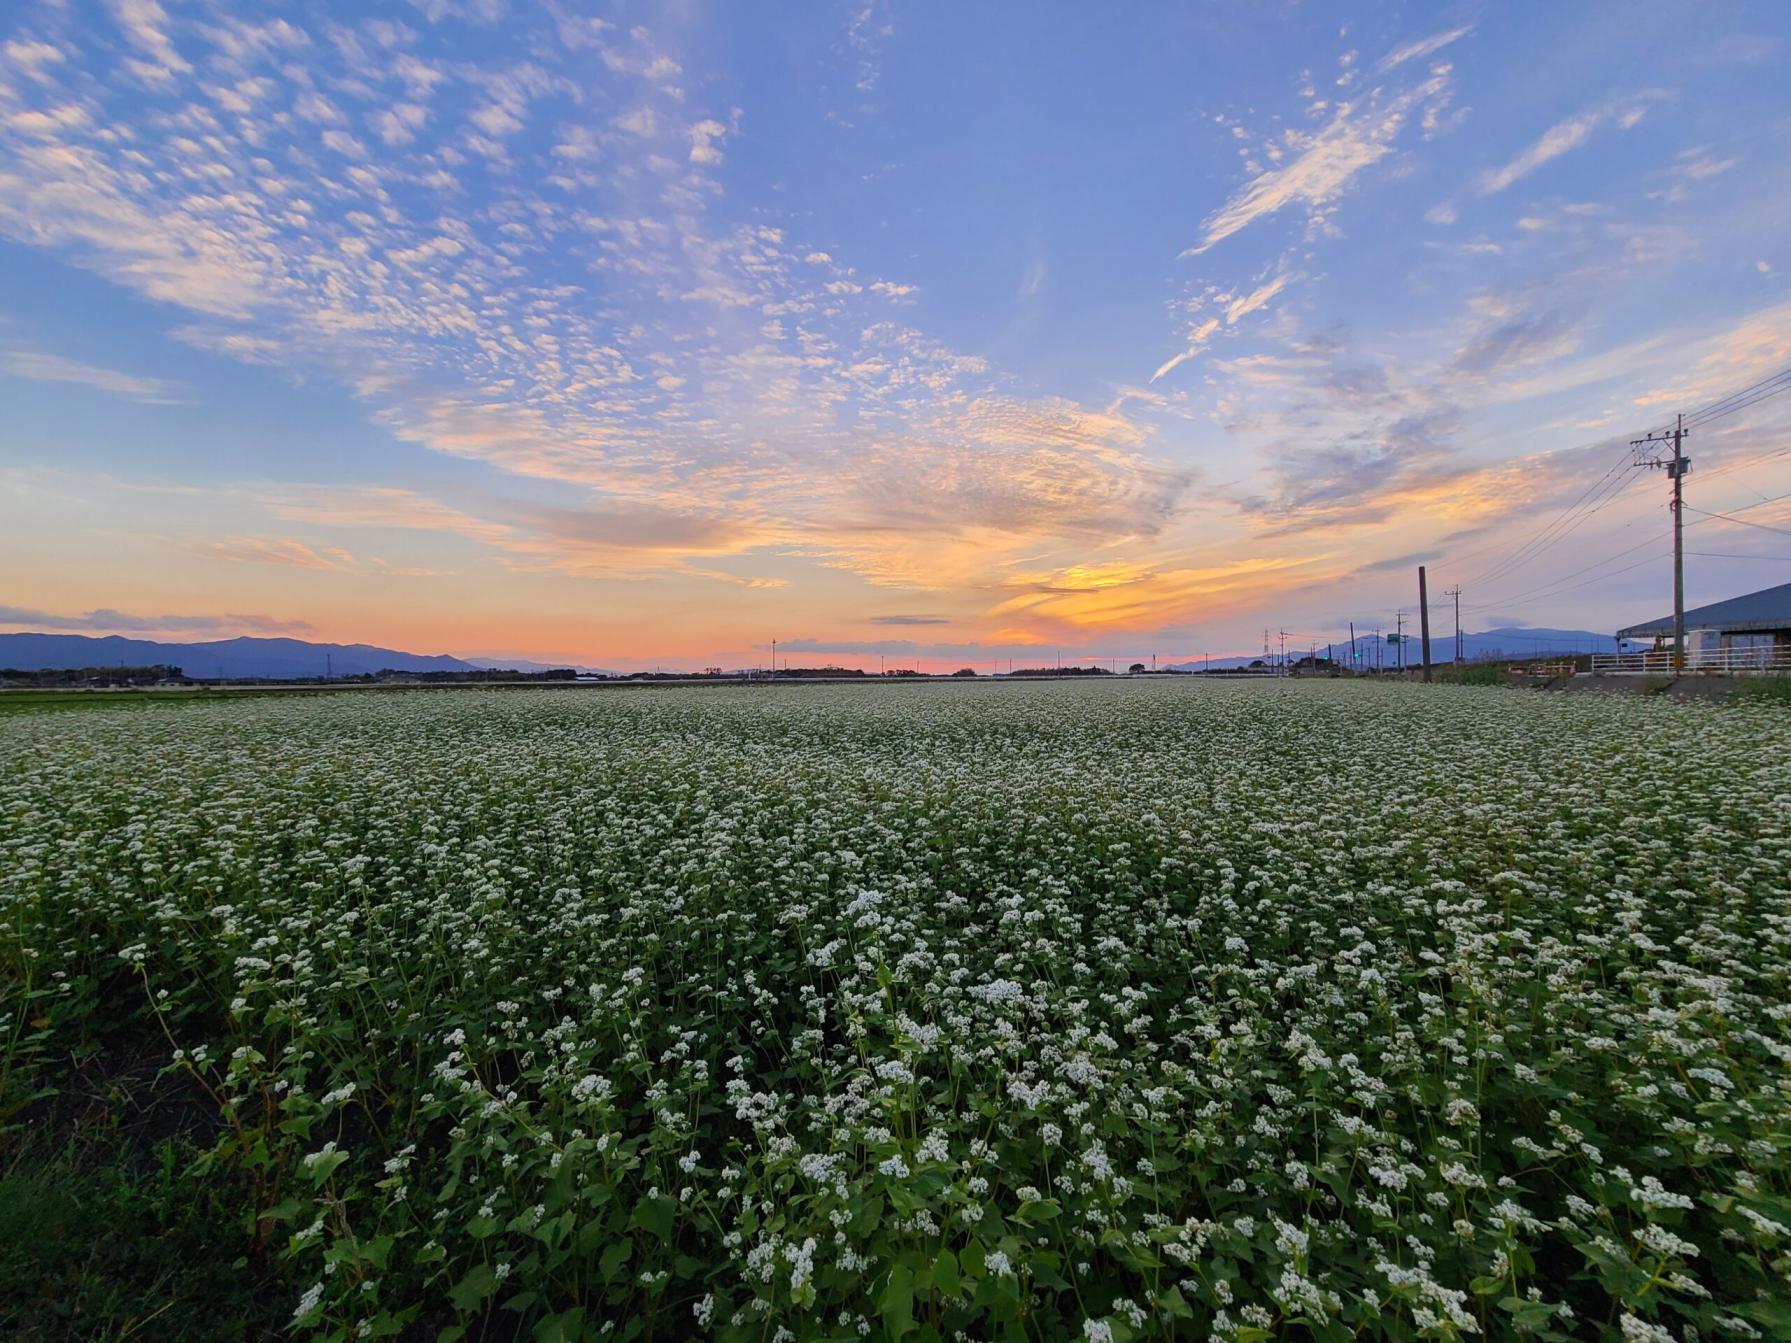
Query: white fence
(1719, 661)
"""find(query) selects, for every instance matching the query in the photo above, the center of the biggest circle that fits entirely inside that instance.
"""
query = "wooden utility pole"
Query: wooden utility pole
(1677, 466)
(1424, 622)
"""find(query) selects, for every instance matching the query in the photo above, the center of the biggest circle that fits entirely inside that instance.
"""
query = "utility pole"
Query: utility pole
(1399, 637)
(1424, 622)
(1352, 646)
(1455, 592)
(774, 657)
(1676, 467)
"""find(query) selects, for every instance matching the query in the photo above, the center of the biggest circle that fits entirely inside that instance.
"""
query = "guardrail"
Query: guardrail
(1716, 661)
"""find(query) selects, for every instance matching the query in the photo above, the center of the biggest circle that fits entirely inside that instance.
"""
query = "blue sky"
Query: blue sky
(645, 334)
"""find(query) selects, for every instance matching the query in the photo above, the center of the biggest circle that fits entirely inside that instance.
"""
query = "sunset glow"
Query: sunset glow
(951, 334)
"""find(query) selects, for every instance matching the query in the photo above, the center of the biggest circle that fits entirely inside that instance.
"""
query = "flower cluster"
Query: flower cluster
(1140, 1009)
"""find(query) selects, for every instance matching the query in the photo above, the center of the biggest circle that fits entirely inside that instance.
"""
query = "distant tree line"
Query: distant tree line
(90, 676)
(476, 674)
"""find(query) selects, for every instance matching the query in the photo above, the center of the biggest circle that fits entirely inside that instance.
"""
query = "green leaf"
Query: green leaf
(945, 1273)
(655, 1215)
(614, 1257)
(897, 1304)
(566, 1327)
(1528, 1314)
(321, 1168)
(1774, 1313)
(480, 1283)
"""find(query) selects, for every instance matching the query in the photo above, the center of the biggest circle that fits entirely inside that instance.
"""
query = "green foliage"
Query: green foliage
(1764, 689)
(1475, 673)
(101, 1239)
(1113, 1009)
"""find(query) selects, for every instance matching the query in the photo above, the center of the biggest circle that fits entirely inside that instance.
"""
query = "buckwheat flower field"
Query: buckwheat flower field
(1107, 1011)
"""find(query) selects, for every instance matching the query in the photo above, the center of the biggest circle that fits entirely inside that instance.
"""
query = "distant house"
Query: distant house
(1752, 630)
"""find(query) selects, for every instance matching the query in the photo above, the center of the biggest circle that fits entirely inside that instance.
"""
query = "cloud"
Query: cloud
(1754, 347)
(30, 56)
(601, 538)
(1197, 340)
(908, 620)
(1564, 137)
(1256, 298)
(705, 142)
(283, 551)
(41, 367)
(869, 29)
(1143, 597)
(117, 622)
(1359, 135)
(1422, 47)
(1396, 563)
(1517, 339)
(145, 23)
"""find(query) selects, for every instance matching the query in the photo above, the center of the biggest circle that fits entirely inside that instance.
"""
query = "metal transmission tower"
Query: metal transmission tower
(1676, 468)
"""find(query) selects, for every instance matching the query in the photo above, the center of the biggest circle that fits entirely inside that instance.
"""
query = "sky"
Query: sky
(942, 335)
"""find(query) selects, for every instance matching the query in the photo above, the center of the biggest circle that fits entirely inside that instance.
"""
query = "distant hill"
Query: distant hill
(230, 658)
(1507, 641)
(525, 665)
(1517, 641)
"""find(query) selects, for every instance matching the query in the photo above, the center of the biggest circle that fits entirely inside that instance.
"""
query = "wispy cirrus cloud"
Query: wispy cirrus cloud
(284, 551)
(1565, 136)
(39, 366)
(1419, 48)
(1321, 165)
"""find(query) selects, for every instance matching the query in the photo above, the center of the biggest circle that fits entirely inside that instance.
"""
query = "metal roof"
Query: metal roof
(1767, 609)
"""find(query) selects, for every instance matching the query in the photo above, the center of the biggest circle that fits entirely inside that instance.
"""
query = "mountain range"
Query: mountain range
(245, 658)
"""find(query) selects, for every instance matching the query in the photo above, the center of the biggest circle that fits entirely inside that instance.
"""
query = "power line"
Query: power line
(1605, 486)
(1745, 522)
(1544, 588)
(1599, 578)
(1604, 490)
(1741, 399)
(1549, 589)
(1746, 462)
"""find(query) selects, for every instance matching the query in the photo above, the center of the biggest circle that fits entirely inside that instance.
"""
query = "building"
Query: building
(1740, 634)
